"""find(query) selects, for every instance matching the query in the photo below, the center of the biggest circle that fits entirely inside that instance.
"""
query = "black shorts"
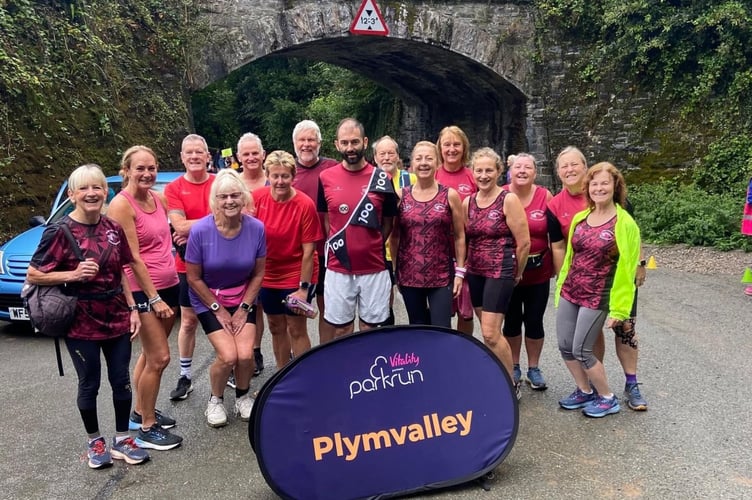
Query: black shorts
(490, 294)
(184, 300)
(272, 299)
(319, 288)
(210, 323)
(170, 296)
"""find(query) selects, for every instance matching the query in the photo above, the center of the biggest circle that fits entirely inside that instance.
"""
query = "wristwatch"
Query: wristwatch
(245, 306)
(304, 285)
(214, 307)
(643, 263)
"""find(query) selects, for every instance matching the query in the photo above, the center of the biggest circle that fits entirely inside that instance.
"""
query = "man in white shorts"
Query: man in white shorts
(359, 204)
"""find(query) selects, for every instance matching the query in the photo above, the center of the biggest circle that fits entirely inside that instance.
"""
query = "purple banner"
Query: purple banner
(384, 412)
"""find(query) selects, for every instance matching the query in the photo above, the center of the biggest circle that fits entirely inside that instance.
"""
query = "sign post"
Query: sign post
(369, 21)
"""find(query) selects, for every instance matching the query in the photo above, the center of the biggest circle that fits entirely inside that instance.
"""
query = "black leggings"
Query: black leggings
(527, 306)
(428, 306)
(85, 355)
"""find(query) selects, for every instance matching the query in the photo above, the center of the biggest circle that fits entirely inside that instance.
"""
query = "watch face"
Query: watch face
(214, 306)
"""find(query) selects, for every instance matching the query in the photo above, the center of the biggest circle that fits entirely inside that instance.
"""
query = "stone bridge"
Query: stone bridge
(469, 63)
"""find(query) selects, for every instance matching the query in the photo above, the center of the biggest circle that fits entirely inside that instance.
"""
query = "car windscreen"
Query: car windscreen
(113, 188)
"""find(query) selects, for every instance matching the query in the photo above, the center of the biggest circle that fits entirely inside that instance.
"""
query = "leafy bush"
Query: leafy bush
(727, 166)
(670, 212)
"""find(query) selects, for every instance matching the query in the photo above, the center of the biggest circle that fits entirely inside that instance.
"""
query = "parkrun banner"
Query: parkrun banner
(388, 411)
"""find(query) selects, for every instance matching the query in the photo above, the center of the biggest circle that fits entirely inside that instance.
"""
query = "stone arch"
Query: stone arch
(463, 63)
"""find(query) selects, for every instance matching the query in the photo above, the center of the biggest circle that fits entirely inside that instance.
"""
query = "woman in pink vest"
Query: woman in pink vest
(747, 224)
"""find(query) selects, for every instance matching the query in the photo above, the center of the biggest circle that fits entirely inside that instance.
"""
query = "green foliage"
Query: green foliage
(727, 166)
(80, 81)
(694, 53)
(671, 212)
(272, 94)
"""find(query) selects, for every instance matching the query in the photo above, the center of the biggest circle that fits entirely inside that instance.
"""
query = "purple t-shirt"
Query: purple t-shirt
(225, 263)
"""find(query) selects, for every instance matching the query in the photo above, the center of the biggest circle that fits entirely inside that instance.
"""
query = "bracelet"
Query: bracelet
(460, 270)
(132, 308)
(155, 299)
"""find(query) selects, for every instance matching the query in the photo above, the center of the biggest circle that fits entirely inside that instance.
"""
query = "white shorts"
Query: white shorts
(369, 292)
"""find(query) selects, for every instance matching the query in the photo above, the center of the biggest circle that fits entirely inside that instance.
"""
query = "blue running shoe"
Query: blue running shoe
(634, 398)
(128, 450)
(602, 407)
(536, 380)
(517, 374)
(164, 421)
(157, 438)
(577, 399)
(99, 457)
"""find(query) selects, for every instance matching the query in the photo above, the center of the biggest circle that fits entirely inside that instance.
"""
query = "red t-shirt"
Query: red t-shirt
(288, 225)
(105, 242)
(307, 181)
(461, 181)
(537, 224)
(189, 199)
(356, 203)
(563, 207)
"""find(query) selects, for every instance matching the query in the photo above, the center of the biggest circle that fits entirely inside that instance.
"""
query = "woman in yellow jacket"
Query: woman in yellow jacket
(596, 285)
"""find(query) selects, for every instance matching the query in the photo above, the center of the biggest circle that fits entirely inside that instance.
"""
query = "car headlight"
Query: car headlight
(2, 269)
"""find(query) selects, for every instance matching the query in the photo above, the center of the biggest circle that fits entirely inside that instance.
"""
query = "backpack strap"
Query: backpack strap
(65, 228)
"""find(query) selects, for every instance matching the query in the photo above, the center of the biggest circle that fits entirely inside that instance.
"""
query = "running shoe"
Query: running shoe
(243, 407)
(602, 407)
(157, 438)
(634, 398)
(182, 390)
(517, 374)
(216, 416)
(231, 380)
(128, 450)
(517, 392)
(536, 380)
(99, 457)
(163, 421)
(577, 399)
(748, 290)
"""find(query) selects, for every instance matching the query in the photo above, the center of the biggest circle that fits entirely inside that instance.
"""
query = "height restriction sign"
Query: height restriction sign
(369, 21)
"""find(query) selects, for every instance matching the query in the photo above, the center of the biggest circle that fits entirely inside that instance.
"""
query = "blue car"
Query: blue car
(16, 253)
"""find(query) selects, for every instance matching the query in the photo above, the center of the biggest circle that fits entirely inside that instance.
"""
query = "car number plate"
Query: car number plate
(18, 313)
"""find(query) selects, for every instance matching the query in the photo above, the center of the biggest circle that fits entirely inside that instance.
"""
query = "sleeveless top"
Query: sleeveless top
(154, 244)
(490, 244)
(426, 244)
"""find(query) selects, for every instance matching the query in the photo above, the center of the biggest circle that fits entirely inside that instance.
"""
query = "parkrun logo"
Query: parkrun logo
(431, 426)
(389, 373)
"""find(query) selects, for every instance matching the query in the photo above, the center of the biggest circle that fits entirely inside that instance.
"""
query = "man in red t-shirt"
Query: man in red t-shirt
(306, 140)
(359, 205)
(188, 201)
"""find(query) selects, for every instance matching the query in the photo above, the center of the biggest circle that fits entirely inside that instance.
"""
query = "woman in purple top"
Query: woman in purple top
(225, 260)
(430, 222)
(498, 239)
(143, 214)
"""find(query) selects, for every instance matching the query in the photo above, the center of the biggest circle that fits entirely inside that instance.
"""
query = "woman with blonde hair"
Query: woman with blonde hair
(142, 212)
(224, 285)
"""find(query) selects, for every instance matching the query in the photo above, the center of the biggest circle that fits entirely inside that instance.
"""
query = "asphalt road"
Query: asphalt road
(694, 442)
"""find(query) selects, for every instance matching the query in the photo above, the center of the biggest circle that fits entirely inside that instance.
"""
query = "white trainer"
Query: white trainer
(243, 407)
(216, 416)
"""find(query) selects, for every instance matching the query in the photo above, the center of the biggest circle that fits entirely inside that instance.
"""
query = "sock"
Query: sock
(216, 399)
(631, 378)
(185, 367)
(239, 393)
(121, 437)
(94, 436)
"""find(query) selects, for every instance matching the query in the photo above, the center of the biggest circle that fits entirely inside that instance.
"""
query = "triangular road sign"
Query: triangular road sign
(369, 21)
